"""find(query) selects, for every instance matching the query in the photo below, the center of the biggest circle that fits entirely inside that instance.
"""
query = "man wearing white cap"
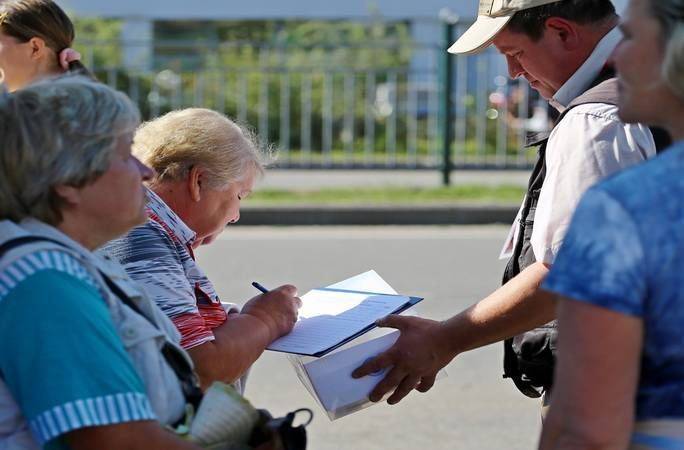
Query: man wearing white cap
(562, 48)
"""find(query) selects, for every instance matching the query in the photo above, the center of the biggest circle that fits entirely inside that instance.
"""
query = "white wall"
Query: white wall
(265, 9)
(139, 15)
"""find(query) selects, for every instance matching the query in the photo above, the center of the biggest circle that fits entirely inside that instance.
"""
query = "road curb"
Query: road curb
(450, 214)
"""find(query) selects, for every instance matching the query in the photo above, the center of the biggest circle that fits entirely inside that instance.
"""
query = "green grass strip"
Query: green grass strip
(388, 195)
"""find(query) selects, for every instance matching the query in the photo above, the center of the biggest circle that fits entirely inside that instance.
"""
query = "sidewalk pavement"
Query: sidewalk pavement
(389, 214)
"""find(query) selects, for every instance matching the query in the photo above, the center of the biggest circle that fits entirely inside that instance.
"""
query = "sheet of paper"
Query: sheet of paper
(330, 377)
(329, 316)
(368, 281)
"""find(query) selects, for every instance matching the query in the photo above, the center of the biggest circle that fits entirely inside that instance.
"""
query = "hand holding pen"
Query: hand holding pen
(259, 287)
(276, 308)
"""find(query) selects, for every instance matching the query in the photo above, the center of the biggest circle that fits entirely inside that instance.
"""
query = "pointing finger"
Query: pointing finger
(392, 321)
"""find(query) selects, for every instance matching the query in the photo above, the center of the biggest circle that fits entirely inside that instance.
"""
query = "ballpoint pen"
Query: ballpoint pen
(260, 287)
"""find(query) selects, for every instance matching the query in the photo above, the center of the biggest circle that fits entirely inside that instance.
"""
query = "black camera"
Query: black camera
(280, 433)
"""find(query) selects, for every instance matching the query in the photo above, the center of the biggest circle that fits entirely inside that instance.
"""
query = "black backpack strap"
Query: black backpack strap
(604, 92)
(175, 360)
(171, 354)
(11, 244)
(662, 139)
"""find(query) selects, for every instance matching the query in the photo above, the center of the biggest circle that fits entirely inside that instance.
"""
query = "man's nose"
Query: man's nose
(514, 68)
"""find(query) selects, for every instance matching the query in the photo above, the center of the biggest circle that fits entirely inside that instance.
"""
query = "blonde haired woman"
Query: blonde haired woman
(620, 274)
(205, 165)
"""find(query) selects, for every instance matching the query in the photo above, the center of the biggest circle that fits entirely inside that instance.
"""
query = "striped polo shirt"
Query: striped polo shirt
(158, 256)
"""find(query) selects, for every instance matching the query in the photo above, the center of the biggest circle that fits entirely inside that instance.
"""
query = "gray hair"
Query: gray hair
(196, 137)
(670, 15)
(61, 131)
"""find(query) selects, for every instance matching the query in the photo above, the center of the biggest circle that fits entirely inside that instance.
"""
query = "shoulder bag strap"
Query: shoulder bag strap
(171, 354)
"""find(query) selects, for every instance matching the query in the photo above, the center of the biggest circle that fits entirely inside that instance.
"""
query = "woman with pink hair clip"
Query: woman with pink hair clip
(35, 42)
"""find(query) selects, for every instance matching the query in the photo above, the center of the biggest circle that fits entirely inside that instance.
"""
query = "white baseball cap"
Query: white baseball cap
(492, 17)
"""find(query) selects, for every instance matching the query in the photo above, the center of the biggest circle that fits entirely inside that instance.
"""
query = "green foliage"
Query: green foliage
(98, 40)
(329, 92)
(297, 75)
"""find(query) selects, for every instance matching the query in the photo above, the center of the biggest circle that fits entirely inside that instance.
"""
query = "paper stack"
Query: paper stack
(328, 379)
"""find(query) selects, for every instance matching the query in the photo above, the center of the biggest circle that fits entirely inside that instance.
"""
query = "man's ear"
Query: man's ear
(69, 194)
(38, 47)
(566, 32)
(194, 183)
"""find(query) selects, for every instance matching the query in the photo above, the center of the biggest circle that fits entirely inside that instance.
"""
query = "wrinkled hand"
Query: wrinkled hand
(420, 352)
(277, 309)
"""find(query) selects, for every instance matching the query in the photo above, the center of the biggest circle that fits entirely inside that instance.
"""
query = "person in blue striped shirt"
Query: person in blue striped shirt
(80, 362)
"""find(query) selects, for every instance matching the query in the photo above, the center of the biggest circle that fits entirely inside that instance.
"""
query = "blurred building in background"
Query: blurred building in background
(143, 21)
(354, 84)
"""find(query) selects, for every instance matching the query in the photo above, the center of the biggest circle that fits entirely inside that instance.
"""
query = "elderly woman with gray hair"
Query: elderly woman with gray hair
(620, 274)
(86, 361)
(205, 165)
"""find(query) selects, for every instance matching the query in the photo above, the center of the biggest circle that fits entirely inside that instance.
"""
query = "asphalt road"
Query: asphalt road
(452, 267)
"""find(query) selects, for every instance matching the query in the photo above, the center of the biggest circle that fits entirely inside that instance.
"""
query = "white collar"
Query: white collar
(583, 77)
(97, 261)
(159, 208)
(33, 227)
(38, 228)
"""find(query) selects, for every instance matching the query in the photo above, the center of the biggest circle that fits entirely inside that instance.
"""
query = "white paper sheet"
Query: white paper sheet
(330, 316)
(330, 376)
(368, 281)
(328, 379)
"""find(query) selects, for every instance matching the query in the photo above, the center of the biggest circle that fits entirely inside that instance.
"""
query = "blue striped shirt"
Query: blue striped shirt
(60, 354)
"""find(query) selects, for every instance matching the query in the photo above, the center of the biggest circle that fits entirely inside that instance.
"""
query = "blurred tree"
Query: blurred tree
(99, 41)
(302, 84)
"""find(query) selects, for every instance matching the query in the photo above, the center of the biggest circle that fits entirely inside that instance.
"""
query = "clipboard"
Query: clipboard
(353, 334)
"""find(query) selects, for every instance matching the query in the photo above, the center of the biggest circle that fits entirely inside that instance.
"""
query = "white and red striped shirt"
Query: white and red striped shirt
(158, 255)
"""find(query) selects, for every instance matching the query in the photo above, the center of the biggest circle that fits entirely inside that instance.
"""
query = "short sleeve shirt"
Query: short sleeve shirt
(158, 256)
(624, 251)
(60, 355)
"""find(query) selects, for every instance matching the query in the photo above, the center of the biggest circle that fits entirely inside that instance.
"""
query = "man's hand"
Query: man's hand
(277, 309)
(420, 352)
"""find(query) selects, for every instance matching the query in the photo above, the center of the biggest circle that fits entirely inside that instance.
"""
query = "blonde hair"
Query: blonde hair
(670, 15)
(197, 137)
(60, 131)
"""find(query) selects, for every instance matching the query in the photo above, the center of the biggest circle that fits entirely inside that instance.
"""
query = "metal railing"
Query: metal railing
(343, 107)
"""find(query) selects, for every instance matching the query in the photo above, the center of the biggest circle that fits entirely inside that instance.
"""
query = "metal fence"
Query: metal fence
(376, 105)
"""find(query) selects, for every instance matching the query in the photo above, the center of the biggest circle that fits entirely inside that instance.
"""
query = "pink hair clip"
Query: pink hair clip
(67, 56)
